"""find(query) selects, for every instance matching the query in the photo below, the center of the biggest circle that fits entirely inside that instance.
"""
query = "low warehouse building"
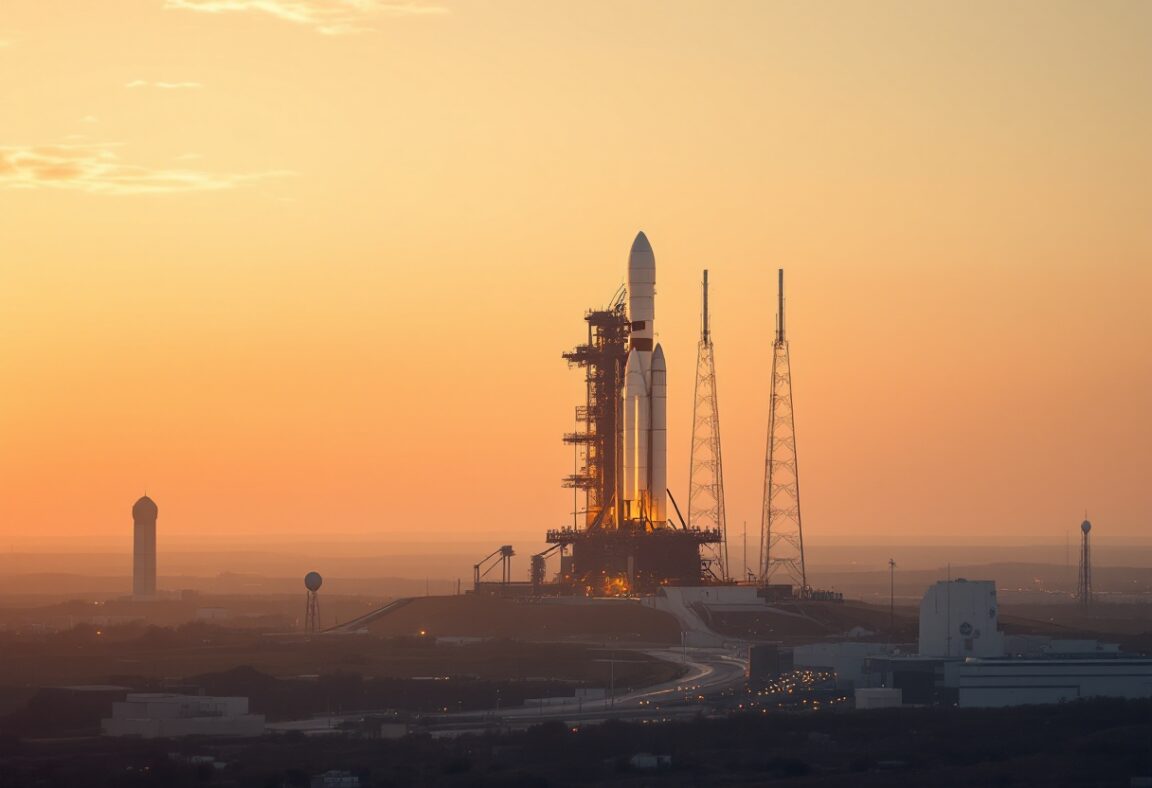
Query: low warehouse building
(1016, 682)
(156, 715)
(879, 698)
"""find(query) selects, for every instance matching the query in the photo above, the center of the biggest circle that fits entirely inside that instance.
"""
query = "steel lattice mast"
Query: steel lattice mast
(781, 537)
(706, 479)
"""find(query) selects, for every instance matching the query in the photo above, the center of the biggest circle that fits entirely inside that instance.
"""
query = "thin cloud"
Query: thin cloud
(143, 83)
(98, 169)
(330, 17)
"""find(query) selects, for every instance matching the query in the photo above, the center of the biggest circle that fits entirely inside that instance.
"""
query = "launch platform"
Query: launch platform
(629, 542)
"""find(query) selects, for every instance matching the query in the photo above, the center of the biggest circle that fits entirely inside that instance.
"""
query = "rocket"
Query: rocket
(645, 399)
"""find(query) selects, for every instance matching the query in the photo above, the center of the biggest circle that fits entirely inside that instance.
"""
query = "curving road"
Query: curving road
(710, 672)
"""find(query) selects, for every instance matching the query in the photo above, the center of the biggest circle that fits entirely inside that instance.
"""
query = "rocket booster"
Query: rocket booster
(645, 444)
(637, 421)
(659, 439)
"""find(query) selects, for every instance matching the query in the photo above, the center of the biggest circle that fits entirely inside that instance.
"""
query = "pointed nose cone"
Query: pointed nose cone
(658, 363)
(641, 292)
(641, 257)
(641, 245)
(659, 373)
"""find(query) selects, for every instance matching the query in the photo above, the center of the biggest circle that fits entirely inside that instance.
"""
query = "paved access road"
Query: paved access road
(710, 672)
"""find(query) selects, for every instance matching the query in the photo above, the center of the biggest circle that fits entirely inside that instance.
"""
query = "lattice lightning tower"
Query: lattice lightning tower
(706, 480)
(781, 537)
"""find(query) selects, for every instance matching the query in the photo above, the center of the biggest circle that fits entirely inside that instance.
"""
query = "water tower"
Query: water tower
(144, 513)
(312, 581)
(1084, 583)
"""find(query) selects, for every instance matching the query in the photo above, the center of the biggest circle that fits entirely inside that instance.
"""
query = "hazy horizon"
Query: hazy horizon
(416, 561)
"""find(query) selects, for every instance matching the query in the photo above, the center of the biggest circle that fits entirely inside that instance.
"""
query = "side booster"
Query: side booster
(645, 405)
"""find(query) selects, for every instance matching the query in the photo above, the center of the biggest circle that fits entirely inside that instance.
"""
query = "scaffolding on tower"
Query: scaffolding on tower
(597, 438)
(781, 536)
(706, 477)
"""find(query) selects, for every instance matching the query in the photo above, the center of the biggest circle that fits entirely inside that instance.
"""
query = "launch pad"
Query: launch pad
(619, 561)
(627, 543)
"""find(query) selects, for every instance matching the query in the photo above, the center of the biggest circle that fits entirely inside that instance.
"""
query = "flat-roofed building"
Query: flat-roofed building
(154, 715)
(879, 698)
(1018, 682)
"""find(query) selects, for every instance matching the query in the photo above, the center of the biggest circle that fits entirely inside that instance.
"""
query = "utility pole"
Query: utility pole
(891, 595)
(612, 677)
(1067, 556)
(745, 575)
(948, 617)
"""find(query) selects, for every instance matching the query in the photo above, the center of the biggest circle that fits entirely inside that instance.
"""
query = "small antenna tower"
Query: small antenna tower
(706, 479)
(746, 575)
(891, 595)
(781, 537)
(1084, 583)
(312, 581)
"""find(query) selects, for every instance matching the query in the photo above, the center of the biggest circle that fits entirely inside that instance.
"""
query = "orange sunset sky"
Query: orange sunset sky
(300, 267)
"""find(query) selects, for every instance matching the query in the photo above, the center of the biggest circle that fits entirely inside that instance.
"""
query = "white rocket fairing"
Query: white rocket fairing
(645, 406)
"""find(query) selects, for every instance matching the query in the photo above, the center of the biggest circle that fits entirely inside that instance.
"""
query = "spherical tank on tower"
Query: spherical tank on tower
(312, 581)
(145, 509)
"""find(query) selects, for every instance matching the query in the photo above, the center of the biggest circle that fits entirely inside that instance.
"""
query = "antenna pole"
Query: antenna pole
(704, 329)
(891, 595)
(948, 618)
(780, 307)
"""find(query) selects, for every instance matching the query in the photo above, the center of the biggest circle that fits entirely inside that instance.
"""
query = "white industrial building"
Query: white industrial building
(965, 659)
(1017, 682)
(879, 698)
(154, 715)
(960, 618)
(847, 659)
(1047, 647)
(963, 653)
